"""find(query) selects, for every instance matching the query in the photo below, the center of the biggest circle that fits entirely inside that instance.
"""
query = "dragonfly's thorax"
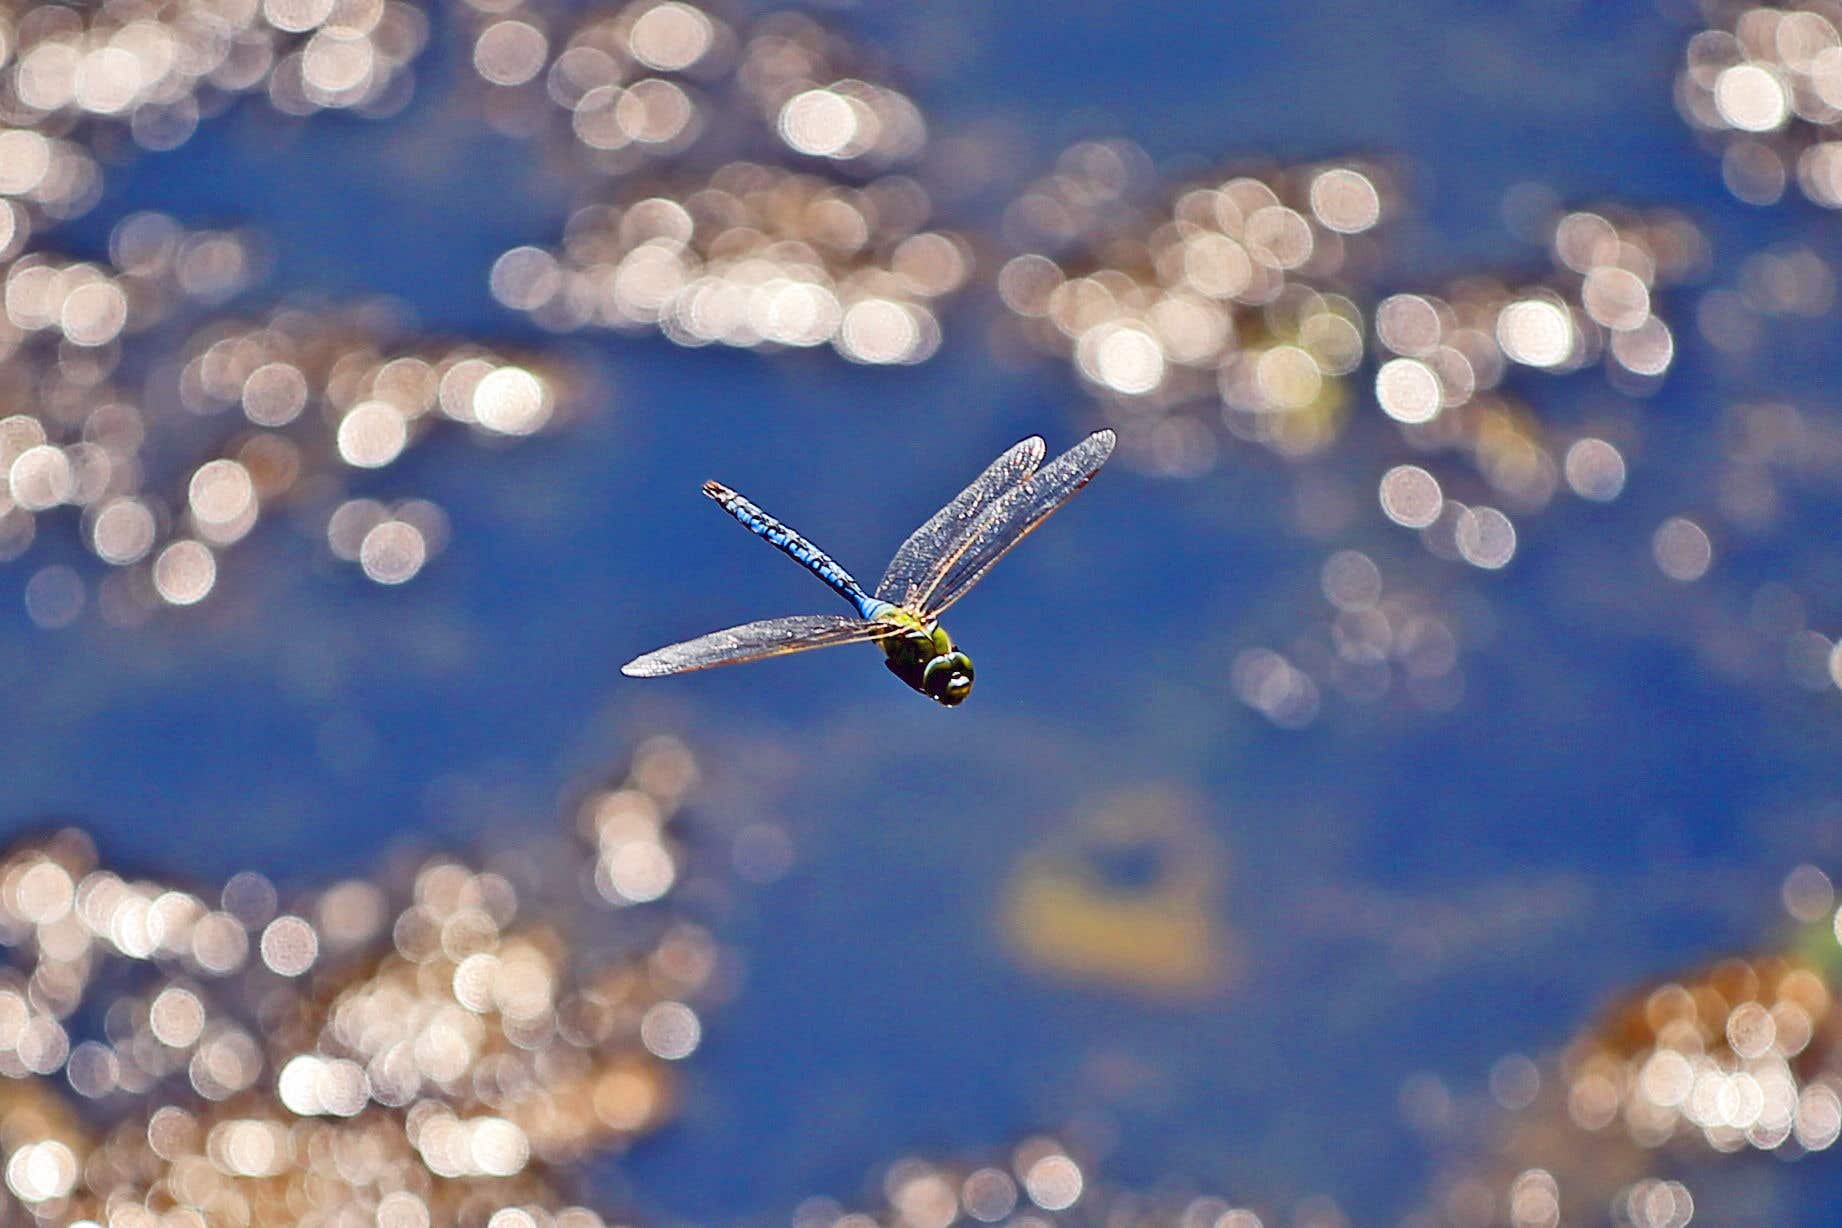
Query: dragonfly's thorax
(925, 658)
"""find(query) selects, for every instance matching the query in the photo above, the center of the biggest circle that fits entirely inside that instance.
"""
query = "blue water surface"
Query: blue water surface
(305, 720)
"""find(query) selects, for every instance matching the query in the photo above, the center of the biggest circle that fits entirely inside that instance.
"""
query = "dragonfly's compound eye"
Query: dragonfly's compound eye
(948, 678)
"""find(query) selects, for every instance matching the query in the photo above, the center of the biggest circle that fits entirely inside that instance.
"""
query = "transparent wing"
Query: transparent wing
(753, 641)
(946, 529)
(1009, 520)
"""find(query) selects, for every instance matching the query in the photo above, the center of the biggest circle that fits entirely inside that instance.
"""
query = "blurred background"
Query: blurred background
(1400, 790)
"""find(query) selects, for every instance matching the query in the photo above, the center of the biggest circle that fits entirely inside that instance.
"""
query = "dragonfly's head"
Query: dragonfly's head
(948, 678)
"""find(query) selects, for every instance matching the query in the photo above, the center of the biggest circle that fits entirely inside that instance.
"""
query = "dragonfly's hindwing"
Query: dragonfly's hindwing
(945, 531)
(752, 641)
(1010, 518)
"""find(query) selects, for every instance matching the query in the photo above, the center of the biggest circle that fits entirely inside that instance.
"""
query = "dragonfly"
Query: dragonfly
(935, 567)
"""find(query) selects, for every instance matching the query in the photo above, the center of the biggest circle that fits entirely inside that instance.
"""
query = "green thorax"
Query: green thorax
(921, 644)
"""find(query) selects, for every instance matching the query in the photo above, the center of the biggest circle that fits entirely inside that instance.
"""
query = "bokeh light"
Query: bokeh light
(1226, 299)
(434, 1059)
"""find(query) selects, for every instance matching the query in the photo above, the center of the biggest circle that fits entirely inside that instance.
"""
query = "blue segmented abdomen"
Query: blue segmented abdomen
(794, 547)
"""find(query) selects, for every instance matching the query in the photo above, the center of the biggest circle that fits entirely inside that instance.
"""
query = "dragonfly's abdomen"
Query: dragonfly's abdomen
(793, 545)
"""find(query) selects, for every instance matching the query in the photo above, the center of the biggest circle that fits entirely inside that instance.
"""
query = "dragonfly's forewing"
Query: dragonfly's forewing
(753, 641)
(946, 530)
(1009, 520)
